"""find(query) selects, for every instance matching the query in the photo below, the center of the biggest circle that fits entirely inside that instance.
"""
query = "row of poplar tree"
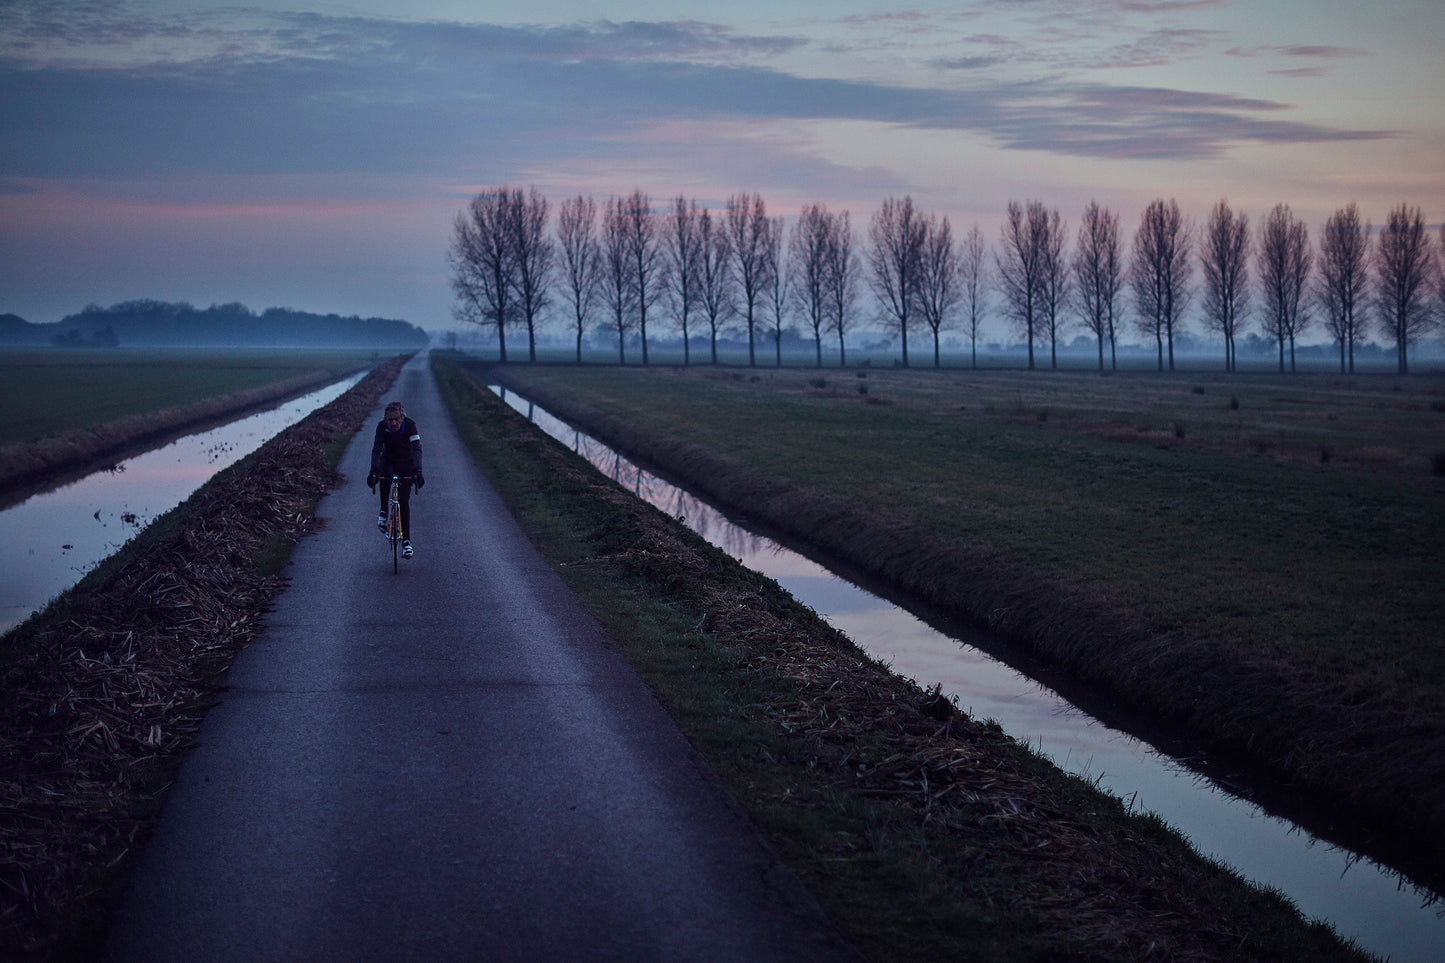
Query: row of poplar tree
(690, 269)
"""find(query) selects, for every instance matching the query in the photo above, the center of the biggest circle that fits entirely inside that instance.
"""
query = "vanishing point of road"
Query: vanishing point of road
(448, 764)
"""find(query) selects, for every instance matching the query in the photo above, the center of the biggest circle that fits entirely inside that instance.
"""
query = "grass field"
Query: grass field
(1229, 518)
(1273, 533)
(51, 391)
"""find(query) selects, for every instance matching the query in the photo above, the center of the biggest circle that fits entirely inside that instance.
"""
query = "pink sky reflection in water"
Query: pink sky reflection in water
(55, 537)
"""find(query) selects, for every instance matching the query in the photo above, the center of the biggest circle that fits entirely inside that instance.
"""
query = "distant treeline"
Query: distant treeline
(686, 268)
(147, 323)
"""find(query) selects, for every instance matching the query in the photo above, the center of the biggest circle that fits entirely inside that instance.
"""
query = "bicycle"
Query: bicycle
(392, 531)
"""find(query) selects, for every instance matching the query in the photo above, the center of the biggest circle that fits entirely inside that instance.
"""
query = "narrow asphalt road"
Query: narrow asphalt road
(448, 764)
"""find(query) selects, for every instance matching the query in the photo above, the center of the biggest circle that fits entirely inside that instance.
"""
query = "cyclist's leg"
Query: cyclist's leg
(404, 498)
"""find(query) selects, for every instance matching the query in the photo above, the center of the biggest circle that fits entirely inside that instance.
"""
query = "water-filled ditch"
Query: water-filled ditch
(1362, 899)
(53, 538)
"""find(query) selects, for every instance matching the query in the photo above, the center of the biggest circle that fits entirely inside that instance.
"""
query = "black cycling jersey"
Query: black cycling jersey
(396, 452)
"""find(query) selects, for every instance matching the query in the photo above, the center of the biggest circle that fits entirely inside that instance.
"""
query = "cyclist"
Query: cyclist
(396, 451)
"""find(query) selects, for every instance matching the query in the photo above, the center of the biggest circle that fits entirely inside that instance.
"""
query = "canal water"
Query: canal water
(1363, 900)
(54, 538)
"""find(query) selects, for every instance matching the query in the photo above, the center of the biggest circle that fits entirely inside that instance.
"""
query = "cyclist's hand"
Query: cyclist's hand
(371, 480)
(420, 481)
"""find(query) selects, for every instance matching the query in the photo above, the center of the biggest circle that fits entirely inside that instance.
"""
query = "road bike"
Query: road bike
(392, 531)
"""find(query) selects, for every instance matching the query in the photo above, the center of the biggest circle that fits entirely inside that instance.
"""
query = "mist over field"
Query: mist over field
(151, 324)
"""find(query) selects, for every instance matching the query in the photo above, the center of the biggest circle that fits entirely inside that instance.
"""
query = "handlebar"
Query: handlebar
(393, 478)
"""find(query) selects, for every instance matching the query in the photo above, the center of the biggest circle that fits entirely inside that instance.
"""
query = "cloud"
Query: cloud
(1317, 51)
(79, 34)
(317, 94)
(1156, 48)
(966, 63)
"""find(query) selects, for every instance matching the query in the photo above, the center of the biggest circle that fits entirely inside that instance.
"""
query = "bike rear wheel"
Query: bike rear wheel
(393, 524)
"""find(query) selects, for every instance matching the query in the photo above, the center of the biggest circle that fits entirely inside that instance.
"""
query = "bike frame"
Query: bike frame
(393, 517)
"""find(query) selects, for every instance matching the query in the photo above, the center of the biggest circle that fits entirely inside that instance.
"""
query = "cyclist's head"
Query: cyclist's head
(394, 415)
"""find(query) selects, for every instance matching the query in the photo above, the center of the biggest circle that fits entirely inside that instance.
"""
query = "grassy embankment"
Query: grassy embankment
(925, 834)
(71, 409)
(1255, 560)
(102, 693)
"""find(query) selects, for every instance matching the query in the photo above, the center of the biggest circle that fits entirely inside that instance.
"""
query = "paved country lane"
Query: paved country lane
(448, 764)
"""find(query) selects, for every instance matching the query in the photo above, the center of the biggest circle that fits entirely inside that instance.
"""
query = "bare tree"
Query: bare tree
(1440, 283)
(1098, 276)
(775, 288)
(1284, 272)
(683, 244)
(1224, 256)
(535, 255)
(939, 279)
(842, 280)
(808, 258)
(581, 259)
(973, 282)
(1159, 273)
(897, 233)
(714, 273)
(1055, 277)
(1344, 278)
(483, 262)
(747, 228)
(644, 258)
(1403, 272)
(1021, 268)
(616, 272)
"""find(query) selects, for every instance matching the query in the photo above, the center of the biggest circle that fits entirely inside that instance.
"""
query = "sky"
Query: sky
(313, 154)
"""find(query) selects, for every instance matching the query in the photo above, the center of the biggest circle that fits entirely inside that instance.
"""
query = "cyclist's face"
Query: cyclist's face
(393, 421)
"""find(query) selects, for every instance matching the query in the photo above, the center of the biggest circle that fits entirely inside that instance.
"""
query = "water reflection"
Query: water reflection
(54, 538)
(1363, 900)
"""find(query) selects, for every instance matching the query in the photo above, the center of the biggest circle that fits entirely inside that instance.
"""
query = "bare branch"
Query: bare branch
(897, 233)
(1344, 279)
(747, 228)
(1098, 276)
(1224, 257)
(1159, 273)
(1284, 272)
(1404, 266)
(581, 259)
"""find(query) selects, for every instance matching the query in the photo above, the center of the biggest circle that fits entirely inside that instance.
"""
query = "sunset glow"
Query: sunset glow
(314, 154)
